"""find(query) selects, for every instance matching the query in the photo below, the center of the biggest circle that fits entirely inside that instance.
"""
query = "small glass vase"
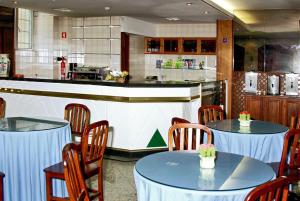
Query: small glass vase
(207, 162)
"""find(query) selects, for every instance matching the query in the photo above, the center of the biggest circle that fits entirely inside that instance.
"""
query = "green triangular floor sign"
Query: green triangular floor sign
(156, 140)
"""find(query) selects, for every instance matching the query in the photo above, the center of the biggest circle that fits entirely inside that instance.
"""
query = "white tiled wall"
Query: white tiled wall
(38, 61)
(181, 74)
(137, 57)
(90, 41)
(186, 30)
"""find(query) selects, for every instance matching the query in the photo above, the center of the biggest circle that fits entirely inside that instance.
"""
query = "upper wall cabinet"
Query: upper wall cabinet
(189, 46)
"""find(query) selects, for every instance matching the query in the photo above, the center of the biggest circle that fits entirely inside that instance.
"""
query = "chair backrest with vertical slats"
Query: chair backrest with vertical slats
(79, 117)
(290, 158)
(176, 133)
(210, 113)
(73, 174)
(295, 121)
(189, 135)
(276, 190)
(98, 133)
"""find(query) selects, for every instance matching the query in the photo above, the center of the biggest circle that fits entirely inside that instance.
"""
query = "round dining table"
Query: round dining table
(27, 146)
(176, 175)
(261, 140)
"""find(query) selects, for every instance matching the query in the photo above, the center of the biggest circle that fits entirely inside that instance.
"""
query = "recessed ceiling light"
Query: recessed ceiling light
(14, 2)
(172, 18)
(63, 9)
(206, 12)
(189, 3)
(106, 8)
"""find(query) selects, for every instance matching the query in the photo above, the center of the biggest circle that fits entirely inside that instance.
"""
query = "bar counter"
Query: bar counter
(139, 113)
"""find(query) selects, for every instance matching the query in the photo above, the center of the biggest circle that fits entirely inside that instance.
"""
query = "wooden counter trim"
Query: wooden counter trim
(99, 97)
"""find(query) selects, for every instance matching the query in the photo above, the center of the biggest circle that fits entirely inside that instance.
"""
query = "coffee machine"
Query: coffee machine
(251, 82)
(273, 85)
(291, 84)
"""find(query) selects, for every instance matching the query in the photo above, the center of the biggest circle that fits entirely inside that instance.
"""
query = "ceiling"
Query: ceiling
(279, 17)
(149, 10)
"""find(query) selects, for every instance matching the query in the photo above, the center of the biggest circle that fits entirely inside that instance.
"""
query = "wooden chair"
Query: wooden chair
(79, 117)
(290, 158)
(176, 136)
(276, 190)
(210, 113)
(91, 159)
(295, 121)
(2, 108)
(73, 174)
(187, 136)
(93, 153)
(2, 175)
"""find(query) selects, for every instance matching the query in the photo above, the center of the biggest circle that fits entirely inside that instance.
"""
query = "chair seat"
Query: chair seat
(91, 170)
(56, 170)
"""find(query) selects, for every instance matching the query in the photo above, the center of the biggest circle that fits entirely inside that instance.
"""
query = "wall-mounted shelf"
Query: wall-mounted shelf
(183, 46)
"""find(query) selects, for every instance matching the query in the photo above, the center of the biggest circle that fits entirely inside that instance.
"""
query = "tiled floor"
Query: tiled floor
(118, 180)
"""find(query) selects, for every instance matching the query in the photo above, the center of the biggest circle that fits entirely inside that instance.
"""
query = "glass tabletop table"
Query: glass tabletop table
(256, 127)
(25, 124)
(29, 145)
(179, 173)
(261, 140)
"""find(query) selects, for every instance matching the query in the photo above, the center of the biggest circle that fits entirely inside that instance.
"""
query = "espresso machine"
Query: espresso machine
(273, 85)
(291, 84)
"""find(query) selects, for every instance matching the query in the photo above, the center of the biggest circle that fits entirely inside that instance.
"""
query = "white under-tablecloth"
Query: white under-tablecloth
(148, 190)
(264, 147)
(25, 155)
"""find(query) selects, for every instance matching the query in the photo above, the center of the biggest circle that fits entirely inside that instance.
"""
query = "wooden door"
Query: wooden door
(253, 104)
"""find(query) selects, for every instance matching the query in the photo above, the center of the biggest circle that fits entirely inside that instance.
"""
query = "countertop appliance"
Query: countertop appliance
(291, 84)
(87, 72)
(273, 85)
(251, 82)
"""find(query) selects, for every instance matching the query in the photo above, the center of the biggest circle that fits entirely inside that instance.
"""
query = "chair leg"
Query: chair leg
(48, 187)
(100, 185)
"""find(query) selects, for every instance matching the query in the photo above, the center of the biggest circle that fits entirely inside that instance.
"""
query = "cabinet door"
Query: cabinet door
(208, 46)
(291, 107)
(152, 45)
(171, 45)
(273, 109)
(190, 45)
(253, 104)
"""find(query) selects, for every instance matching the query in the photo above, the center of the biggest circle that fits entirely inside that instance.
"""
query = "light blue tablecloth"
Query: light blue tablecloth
(172, 176)
(264, 147)
(24, 155)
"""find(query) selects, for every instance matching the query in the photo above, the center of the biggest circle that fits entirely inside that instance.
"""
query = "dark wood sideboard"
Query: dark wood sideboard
(277, 109)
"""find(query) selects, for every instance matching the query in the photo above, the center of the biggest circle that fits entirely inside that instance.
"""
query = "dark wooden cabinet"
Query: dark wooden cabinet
(253, 104)
(272, 109)
(153, 45)
(208, 46)
(277, 109)
(171, 45)
(186, 46)
(190, 46)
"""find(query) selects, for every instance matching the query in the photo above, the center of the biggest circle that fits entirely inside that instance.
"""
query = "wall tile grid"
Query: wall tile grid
(97, 44)
(183, 30)
(137, 57)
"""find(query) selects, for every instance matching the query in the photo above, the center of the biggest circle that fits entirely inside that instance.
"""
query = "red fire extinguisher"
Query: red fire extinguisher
(62, 67)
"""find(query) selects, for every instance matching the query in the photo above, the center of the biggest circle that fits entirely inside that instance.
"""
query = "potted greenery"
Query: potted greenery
(244, 118)
(207, 154)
